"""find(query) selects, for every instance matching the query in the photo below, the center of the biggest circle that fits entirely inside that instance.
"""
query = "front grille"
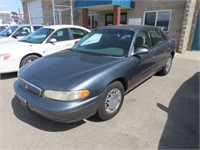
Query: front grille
(30, 87)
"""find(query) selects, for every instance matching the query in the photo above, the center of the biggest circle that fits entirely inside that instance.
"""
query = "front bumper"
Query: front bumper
(57, 110)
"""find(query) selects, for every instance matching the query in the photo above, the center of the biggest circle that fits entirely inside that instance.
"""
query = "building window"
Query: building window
(93, 21)
(160, 19)
(109, 19)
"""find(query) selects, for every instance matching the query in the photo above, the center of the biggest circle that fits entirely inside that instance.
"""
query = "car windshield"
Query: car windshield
(8, 31)
(108, 42)
(38, 36)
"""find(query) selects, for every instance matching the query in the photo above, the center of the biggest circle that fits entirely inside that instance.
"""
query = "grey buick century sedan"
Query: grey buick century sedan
(93, 76)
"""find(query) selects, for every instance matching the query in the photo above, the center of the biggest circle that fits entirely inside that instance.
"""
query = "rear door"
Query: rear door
(161, 46)
(77, 34)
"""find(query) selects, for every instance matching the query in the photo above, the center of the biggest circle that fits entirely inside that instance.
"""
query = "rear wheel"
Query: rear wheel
(28, 59)
(111, 101)
(165, 70)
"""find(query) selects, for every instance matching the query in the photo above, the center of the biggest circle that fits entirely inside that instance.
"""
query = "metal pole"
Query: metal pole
(71, 12)
(53, 9)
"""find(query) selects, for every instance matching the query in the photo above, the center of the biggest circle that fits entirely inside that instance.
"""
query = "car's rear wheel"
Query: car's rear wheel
(28, 59)
(165, 70)
(111, 101)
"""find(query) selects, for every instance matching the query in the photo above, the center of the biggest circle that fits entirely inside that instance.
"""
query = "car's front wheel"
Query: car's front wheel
(28, 59)
(111, 101)
(165, 70)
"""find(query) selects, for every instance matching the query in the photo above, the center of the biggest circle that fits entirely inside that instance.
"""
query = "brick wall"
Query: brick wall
(177, 8)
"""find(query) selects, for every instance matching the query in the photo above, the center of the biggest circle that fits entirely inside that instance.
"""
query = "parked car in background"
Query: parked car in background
(3, 26)
(93, 76)
(16, 32)
(44, 41)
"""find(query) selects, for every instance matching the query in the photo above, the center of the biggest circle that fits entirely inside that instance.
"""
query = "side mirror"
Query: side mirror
(15, 35)
(141, 50)
(53, 40)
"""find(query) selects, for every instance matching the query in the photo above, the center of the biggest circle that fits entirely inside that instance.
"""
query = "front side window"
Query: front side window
(38, 36)
(61, 35)
(156, 36)
(142, 40)
(106, 42)
(78, 33)
(23, 31)
(160, 19)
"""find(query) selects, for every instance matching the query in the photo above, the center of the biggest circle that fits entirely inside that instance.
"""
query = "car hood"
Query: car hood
(62, 70)
(14, 45)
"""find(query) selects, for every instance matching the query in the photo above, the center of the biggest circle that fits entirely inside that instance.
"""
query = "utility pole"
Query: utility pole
(71, 12)
(53, 9)
(20, 16)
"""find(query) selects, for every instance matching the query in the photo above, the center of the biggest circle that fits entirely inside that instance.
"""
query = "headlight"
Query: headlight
(66, 96)
(4, 56)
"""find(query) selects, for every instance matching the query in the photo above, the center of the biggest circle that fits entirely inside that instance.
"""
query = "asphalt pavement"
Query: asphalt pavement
(162, 113)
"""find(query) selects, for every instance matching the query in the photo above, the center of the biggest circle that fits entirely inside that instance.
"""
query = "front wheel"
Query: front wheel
(111, 101)
(165, 70)
(28, 59)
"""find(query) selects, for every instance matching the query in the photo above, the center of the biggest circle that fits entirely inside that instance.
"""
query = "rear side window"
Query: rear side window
(61, 35)
(156, 36)
(78, 33)
(36, 27)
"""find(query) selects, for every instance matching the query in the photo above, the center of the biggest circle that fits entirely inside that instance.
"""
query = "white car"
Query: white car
(44, 41)
(16, 32)
(3, 27)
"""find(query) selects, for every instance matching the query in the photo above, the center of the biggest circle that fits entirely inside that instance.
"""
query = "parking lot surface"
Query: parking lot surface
(162, 113)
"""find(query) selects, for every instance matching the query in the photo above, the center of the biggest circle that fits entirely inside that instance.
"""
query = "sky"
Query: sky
(11, 5)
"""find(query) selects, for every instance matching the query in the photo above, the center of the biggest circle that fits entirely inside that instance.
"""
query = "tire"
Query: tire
(111, 101)
(28, 59)
(165, 70)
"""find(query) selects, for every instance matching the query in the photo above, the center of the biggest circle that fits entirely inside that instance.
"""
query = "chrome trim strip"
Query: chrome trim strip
(28, 83)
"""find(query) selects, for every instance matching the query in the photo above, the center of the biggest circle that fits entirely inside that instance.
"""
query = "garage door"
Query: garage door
(196, 40)
(35, 12)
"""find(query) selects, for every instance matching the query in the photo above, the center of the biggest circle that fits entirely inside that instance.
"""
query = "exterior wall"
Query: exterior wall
(177, 8)
(47, 11)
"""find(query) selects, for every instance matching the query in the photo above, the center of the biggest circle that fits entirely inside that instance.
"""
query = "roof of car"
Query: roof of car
(127, 27)
(21, 25)
(63, 26)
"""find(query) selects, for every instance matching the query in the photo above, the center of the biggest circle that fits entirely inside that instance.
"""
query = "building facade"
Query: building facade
(177, 18)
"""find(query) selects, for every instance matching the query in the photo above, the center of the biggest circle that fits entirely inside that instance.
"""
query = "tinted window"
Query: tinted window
(77, 33)
(156, 36)
(23, 31)
(61, 35)
(36, 27)
(142, 40)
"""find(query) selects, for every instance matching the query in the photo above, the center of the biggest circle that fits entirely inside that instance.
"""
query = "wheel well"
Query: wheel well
(124, 83)
(173, 53)
(28, 55)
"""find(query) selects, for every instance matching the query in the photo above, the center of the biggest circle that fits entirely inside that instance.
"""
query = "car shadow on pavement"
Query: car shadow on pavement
(40, 122)
(182, 127)
(8, 76)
